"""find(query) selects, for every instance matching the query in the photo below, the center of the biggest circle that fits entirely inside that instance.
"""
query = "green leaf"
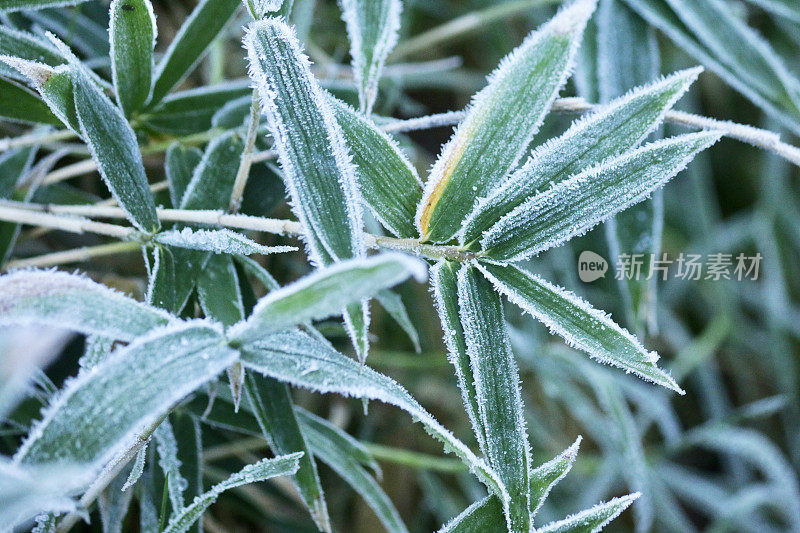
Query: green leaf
(501, 122)
(192, 111)
(591, 520)
(386, 179)
(263, 470)
(577, 322)
(372, 26)
(139, 384)
(212, 180)
(620, 126)
(497, 389)
(67, 301)
(272, 406)
(27, 491)
(161, 280)
(218, 290)
(179, 167)
(19, 104)
(445, 292)
(184, 52)
(20, 5)
(132, 33)
(115, 150)
(167, 448)
(190, 454)
(480, 517)
(393, 304)
(546, 476)
(24, 45)
(304, 361)
(782, 8)
(221, 241)
(324, 293)
(576, 205)
(345, 456)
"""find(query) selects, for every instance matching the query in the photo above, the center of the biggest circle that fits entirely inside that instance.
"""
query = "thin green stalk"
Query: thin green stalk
(247, 155)
(414, 459)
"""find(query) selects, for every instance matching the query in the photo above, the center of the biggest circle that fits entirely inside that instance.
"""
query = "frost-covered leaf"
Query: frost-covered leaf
(345, 456)
(618, 127)
(304, 361)
(393, 304)
(372, 27)
(193, 110)
(96, 349)
(263, 470)
(132, 33)
(497, 389)
(113, 503)
(114, 148)
(54, 85)
(212, 180)
(784, 8)
(273, 409)
(577, 322)
(136, 470)
(545, 477)
(260, 8)
(167, 448)
(591, 520)
(501, 121)
(20, 5)
(188, 434)
(576, 205)
(218, 291)
(161, 280)
(27, 491)
(220, 241)
(480, 517)
(103, 412)
(324, 293)
(75, 26)
(710, 33)
(386, 179)
(179, 167)
(190, 44)
(445, 292)
(68, 301)
(19, 104)
(28, 46)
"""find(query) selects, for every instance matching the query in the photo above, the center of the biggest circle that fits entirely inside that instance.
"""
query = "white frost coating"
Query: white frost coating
(563, 150)
(585, 315)
(560, 465)
(315, 236)
(36, 72)
(572, 18)
(112, 40)
(40, 4)
(28, 491)
(303, 361)
(369, 36)
(75, 302)
(570, 210)
(221, 241)
(595, 518)
(137, 469)
(167, 448)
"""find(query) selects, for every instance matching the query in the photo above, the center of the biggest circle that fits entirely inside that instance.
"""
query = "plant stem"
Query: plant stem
(34, 139)
(414, 459)
(246, 162)
(76, 255)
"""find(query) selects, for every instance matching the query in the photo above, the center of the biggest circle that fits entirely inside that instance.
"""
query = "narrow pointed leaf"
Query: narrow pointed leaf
(497, 388)
(179, 167)
(190, 454)
(372, 27)
(221, 241)
(190, 44)
(386, 179)
(783, 8)
(114, 148)
(480, 517)
(263, 470)
(324, 292)
(136, 470)
(576, 205)
(577, 322)
(138, 384)
(167, 448)
(28, 46)
(393, 304)
(161, 283)
(445, 291)
(132, 33)
(620, 126)
(19, 104)
(193, 110)
(501, 122)
(301, 360)
(54, 85)
(218, 291)
(591, 520)
(67, 301)
(546, 476)
(20, 5)
(213, 178)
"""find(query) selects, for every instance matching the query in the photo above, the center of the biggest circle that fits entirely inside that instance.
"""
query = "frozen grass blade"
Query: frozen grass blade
(190, 44)
(577, 322)
(574, 206)
(132, 33)
(591, 520)
(386, 179)
(167, 448)
(68, 301)
(393, 304)
(161, 280)
(497, 390)
(54, 85)
(618, 127)
(179, 167)
(480, 517)
(501, 122)
(138, 384)
(193, 110)
(212, 180)
(546, 476)
(19, 104)
(303, 361)
(372, 26)
(27, 46)
(221, 241)
(263, 470)
(21, 5)
(782, 8)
